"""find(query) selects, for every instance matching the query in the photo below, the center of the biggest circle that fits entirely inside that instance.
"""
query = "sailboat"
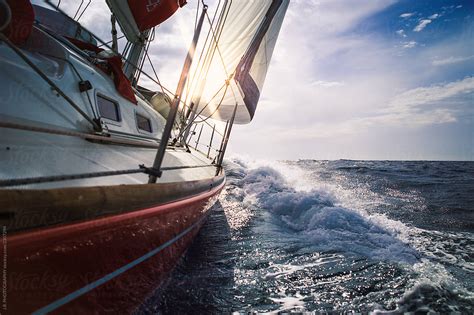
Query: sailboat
(105, 182)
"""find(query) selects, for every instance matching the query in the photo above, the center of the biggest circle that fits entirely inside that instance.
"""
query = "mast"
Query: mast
(135, 57)
(156, 168)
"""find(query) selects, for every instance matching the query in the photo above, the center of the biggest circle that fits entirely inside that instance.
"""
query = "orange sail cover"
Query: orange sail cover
(150, 13)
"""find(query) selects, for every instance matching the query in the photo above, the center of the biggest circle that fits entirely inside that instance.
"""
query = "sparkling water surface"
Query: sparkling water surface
(332, 236)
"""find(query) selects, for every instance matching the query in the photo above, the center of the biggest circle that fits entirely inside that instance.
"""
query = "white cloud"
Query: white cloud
(407, 15)
(409, 44)
(451, 60)
(327, 84)
(401, 33)
(424, 105)
(413, 108)
(421, 25)
(431, 95)
(434, 16)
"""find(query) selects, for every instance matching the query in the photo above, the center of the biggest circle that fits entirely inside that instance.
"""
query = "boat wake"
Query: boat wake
(316, 236)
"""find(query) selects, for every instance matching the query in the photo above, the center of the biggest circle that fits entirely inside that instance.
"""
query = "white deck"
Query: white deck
(27, 99)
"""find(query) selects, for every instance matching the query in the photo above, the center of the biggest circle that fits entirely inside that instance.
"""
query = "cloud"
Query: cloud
(409, 44)
(434, 16)
(451, 60)
(418, 107)
(421, 25)
(327, 84)
(432, 94)
(423, 106)
(407, 15)
(401, 33)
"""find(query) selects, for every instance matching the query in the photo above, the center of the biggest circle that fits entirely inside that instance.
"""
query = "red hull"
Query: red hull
(101, 265)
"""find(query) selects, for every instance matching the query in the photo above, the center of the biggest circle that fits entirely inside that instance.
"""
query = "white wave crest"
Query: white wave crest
(316, 216)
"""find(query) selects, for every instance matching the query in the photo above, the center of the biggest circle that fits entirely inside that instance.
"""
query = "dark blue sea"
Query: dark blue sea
(385, 237)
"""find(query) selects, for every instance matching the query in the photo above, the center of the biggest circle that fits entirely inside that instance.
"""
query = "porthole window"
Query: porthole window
(108, 109)
(144, 123)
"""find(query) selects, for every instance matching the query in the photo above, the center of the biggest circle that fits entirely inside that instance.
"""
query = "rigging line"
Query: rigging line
(56, 178)
(96, 116)
(110, 41)
(189, 124)
(82, 27)
(107, 46)
(78, 8)
(154, 71)
(207, 60)
(126, 48)
(83, 11)
(215, 111)
(194, 75)
(95, 125)
(215, 95)
(196, 18)
(151, 35)
(163, 88)
(217, 39)
(211, 51)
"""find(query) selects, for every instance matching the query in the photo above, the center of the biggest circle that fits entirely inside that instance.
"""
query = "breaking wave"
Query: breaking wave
(316, 216)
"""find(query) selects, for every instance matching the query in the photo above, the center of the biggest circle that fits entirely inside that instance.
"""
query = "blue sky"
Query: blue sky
(352, 79)
(369, 80)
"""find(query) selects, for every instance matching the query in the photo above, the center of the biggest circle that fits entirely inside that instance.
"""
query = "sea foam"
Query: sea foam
(316, 216)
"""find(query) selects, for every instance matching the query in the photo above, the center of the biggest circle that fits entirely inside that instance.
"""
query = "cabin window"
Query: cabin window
(108, 109)
(143, 123)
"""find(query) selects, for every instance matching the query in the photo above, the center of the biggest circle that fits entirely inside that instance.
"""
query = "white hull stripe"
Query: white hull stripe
(74, 295)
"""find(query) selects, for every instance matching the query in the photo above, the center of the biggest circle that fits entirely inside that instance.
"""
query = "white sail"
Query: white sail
(246, 35)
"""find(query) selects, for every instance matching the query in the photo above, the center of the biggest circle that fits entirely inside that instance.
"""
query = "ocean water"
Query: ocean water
(332, 236)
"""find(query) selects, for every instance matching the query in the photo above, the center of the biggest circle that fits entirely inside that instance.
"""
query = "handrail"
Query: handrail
(96, 137)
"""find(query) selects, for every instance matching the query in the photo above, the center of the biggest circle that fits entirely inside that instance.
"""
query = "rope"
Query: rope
(83, 11)
(57, 178)
(194, 75)
(79, 8)
(154, 71)
(180, 134)
(215, 111)
(110, 41)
